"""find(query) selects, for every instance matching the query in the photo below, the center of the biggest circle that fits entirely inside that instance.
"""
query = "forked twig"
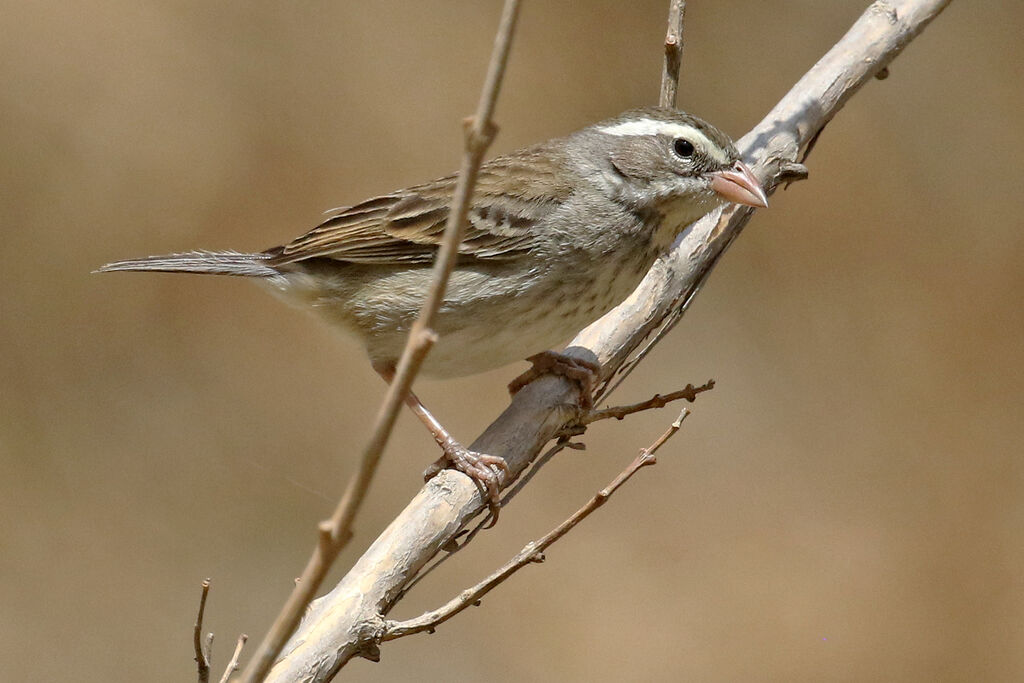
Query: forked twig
(533, 551)
(618, 412)
(204, 652)
(464, 537)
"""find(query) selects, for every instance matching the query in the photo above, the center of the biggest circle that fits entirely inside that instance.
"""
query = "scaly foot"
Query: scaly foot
(485, 471)
(585, 372)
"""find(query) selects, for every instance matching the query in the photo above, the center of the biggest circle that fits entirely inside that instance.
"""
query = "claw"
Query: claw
(585, 372)
(485, 471)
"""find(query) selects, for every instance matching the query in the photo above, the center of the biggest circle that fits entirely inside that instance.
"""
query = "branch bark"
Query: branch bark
(350, 620)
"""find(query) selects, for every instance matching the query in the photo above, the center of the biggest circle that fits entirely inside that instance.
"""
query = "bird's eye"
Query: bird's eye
(683, 147)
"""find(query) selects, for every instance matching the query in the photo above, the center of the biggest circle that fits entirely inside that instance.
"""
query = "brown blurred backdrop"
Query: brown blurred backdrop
(845, 506)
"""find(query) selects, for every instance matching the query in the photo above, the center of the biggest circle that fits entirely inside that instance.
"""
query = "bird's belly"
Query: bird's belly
(540, 315)
(490, 317)
(472, 349)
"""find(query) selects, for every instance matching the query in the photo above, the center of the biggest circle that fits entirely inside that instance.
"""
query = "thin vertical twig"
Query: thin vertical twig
(673, 54)
(202, 656)
(335, 533)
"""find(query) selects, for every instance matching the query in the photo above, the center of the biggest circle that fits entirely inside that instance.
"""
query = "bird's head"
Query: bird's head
(666, 160)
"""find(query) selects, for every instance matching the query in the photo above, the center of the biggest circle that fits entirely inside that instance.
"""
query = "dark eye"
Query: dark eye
(683, 147)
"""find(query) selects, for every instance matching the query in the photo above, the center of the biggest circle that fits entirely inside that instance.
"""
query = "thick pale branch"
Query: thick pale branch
(349, 621)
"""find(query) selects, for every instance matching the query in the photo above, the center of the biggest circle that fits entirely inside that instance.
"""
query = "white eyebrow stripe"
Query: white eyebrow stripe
(669, 128)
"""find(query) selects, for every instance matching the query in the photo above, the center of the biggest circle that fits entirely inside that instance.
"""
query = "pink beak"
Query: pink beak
(739, 185)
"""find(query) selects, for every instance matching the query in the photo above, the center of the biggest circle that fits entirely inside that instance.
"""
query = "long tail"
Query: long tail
(209, 262)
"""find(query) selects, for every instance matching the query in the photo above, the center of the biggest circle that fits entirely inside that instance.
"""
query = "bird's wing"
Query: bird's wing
(512, 194)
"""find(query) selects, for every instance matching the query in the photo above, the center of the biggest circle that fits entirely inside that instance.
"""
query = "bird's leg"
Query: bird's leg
(483, 469)
(585, 372)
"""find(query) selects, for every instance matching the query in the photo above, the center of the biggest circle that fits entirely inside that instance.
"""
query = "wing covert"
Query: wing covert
(512, 194)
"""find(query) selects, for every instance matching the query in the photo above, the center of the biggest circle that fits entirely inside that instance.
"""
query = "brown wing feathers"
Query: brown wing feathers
(512, 193)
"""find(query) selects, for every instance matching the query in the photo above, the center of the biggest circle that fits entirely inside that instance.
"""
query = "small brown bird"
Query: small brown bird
(558, 234)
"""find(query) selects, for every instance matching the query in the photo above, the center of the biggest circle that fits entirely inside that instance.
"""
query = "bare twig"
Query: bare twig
(669, 94)
(618, 412)
(203, 651)
(202, 657)
(673, 54)
(656, 401)
(463, 539)
(233, 664)
(335, 532)
(533, 551)
(349, 621)
(580, 427)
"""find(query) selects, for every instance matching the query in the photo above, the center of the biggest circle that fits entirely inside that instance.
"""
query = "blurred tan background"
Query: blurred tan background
(845, 506)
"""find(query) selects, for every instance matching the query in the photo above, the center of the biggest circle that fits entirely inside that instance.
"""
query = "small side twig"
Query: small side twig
(657, 401)
(233, 664)
(673, 54)
(533, 551)
(689, 393)
(202, 654)
(336, 532)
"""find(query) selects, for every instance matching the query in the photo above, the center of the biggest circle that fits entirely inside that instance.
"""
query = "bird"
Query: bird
(557, 234)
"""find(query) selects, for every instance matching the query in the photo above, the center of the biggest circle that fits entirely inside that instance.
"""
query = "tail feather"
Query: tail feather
(209, 262)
